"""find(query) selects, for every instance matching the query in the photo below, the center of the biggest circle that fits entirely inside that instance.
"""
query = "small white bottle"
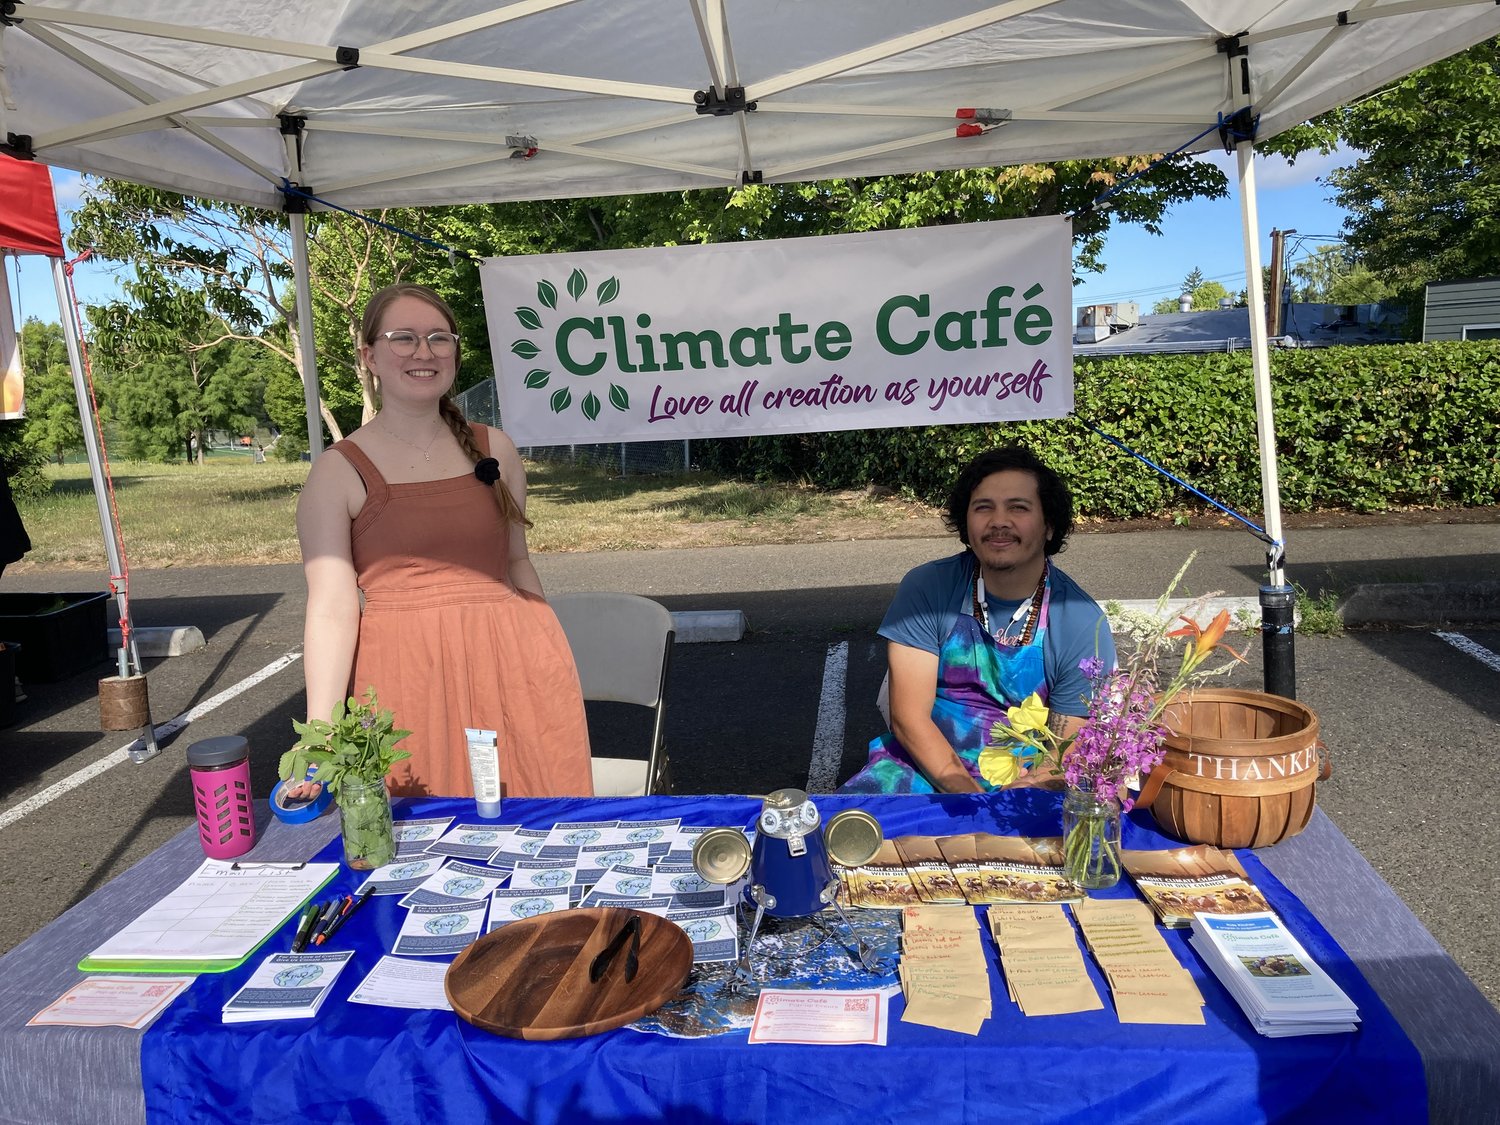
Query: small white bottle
(484, 771)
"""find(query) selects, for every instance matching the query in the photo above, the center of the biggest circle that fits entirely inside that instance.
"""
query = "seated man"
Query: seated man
(974, 634)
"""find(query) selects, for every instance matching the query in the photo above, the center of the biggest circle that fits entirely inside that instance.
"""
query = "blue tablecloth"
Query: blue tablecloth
(356, 1063)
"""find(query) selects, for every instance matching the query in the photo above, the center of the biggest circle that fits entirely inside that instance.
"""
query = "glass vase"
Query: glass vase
(1091, 838)
(365, 817)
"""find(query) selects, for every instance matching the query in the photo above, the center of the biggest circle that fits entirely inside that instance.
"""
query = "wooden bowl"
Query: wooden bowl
(530, 979)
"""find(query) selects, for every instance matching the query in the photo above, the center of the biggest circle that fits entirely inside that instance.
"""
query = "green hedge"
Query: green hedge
(1362, 428)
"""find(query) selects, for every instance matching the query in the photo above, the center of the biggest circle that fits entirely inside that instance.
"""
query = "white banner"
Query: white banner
(893, 328)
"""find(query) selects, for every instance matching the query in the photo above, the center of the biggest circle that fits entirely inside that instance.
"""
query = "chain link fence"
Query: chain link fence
(480, 404)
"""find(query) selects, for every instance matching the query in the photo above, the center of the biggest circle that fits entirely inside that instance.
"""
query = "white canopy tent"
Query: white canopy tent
(366, 103)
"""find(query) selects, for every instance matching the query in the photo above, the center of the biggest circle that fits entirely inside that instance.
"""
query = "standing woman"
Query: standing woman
(426, 516)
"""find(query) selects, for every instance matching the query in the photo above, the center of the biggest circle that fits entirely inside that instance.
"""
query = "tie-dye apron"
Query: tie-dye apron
(978, 679)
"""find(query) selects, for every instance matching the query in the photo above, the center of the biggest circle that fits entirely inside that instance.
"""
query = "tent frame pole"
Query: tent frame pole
(145, 748)
(309, 372)
(1277, 599)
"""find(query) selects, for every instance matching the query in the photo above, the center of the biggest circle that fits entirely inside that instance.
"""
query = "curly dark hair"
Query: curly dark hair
(1057, 501)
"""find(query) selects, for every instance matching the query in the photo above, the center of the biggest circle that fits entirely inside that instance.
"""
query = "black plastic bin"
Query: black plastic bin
(60, 634)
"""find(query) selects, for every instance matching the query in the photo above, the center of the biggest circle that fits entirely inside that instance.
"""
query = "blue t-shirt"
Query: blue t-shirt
(932, 596)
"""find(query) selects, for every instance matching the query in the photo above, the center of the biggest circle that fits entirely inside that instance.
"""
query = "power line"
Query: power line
(1173, 287)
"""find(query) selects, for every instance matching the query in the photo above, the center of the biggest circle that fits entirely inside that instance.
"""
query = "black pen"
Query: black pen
(344, 914)
(305, 926)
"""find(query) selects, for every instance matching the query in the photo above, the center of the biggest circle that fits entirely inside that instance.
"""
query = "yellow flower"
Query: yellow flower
(998, 766)
(1031, 715)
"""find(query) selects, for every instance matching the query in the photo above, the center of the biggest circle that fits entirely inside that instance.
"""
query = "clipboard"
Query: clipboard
(213, 921)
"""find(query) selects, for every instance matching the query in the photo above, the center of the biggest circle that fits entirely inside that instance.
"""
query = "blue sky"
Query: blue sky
(1205, 234)
(1202, 234)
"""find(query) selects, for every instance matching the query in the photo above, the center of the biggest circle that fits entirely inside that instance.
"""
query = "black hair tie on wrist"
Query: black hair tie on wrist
(487, 469)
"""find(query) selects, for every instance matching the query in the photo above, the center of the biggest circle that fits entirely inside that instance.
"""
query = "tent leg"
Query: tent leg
(302, 276)
(1277, 598)
(128, 656)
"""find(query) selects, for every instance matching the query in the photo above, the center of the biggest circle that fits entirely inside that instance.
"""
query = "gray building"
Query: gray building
(1121, 329)
(1462, 310)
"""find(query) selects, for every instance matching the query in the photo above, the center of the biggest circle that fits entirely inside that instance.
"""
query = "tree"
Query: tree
(52, 424)
(224, 271)
(1330, 275)
(165, 405)
(1423, 196)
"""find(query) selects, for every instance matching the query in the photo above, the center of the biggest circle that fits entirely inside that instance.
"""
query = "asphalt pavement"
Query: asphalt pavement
(1411, 714)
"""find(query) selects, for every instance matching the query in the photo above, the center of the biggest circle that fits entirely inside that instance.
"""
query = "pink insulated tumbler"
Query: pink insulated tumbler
(220, 769)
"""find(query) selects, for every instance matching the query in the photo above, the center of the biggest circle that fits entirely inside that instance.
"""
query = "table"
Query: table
(373, 1057)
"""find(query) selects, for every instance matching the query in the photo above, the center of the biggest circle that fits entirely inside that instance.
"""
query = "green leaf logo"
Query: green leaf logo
(534, 320)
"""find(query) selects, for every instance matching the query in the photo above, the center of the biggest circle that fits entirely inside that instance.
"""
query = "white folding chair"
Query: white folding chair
(622, 644)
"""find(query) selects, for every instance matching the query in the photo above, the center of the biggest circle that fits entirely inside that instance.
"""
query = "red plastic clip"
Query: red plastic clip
(968, 131)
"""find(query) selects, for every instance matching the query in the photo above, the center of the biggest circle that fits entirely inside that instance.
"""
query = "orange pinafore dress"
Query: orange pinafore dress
(448, 643)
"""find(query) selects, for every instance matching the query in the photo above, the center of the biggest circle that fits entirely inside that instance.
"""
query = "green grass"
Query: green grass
(230, 510)
(1319, 614)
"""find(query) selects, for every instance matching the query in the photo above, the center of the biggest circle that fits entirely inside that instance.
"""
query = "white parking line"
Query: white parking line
(171, 726)
(1472, 648)
(828, 739)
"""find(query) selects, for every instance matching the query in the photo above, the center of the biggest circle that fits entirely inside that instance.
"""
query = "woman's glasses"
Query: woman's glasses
(404, 343)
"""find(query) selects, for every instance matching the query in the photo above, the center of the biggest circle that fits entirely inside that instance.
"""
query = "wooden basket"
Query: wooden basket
(1239, 771)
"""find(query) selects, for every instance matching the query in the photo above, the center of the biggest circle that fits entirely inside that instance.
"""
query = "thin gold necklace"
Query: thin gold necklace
(422, 449)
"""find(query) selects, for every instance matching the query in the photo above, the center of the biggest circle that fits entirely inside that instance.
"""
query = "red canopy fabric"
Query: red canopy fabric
(28, 215)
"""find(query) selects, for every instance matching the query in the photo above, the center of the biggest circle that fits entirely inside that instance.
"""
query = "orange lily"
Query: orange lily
(1205, 641)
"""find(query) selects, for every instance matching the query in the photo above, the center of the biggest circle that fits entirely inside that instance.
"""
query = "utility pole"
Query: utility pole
(1273, 298)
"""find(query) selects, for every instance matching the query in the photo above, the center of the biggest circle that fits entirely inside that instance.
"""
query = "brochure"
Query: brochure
(478, 842)
(398, 982)
(1181, 882)
(455, 882)
(286, 986)
(929, 871)
(880, 884)
(992, 869)
(515, 904)
(439, 931)
(1278, 985)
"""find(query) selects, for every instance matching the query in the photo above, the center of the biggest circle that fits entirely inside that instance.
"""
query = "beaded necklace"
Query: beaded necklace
(1032, 612)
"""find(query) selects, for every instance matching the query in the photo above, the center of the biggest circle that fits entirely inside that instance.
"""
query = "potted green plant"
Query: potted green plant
(352, 754)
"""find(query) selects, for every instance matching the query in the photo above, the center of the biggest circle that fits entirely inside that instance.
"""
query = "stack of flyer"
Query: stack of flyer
(1278, 986)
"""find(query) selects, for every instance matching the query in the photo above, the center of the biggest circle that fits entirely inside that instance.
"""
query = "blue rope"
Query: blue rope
(288, 188)
(1137, 175)
(1259, 531)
